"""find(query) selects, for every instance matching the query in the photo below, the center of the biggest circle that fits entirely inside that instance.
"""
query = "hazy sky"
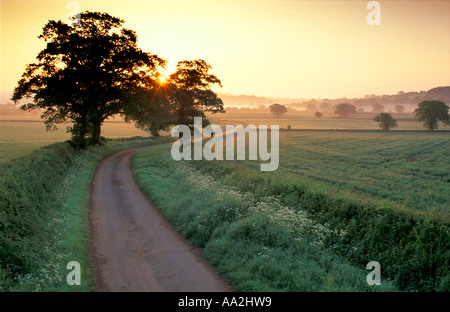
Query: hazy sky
(304, 49)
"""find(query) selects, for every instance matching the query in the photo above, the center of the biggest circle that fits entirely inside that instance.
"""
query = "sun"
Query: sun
(162, 79)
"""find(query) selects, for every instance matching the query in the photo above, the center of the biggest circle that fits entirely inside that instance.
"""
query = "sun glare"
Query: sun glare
(162, 79)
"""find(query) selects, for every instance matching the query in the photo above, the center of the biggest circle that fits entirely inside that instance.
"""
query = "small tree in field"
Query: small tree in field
(318, 114)
(386, 121)
(277, 109)
(430, 112)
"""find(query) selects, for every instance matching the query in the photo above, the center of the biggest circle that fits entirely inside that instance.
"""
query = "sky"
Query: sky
(294, 49)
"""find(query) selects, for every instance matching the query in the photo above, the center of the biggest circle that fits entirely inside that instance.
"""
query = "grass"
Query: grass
(256, 242)
(409, 168)
(20, 137)
(43, 215)
(338, 200)
(315, 223)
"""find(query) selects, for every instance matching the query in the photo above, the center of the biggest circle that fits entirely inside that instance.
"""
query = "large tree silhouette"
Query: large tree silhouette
(151, 108)
(85, 73)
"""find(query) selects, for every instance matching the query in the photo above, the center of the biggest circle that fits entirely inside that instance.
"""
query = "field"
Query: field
(283, 231)
(409, 168)
(407, 165)
(306, 120)
(19, 136)
(339, 199)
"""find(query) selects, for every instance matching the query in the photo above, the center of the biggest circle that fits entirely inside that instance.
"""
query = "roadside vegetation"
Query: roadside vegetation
(279, 232)
(44, 215)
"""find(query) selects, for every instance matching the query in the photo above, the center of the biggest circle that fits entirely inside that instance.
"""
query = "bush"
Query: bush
(27, 196)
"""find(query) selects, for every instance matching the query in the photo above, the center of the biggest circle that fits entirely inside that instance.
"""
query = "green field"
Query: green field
(410, 168)
(407, 165)
(338, 200)
(21, 134)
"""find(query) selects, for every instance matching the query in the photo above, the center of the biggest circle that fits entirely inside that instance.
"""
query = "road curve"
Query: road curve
(133, 246)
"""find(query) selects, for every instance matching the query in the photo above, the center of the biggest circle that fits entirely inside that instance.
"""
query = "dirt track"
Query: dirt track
(134, 248)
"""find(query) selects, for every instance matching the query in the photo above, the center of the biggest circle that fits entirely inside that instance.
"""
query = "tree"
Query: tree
(185, 94)
(310, 107)
(261, 107)
(377, 108)
(430, 112)
(325, 106)
(277, 109)
(189, 92)
(386, 121)
(318, 114)
(400, 109)
(345, 110)
(150, 109)
(84, 74)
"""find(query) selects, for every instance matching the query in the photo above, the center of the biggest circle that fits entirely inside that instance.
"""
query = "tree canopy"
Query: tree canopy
(400, 109)
(377, 108)
(84, 72)
(185, 94)
(386, 121)
(190, 85)
(345, 110)
(149, 109)
(277, 109)
(430, 112)
(93, 69)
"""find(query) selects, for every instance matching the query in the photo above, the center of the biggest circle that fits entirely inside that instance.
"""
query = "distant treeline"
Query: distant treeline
(401, 98)
(247, 102)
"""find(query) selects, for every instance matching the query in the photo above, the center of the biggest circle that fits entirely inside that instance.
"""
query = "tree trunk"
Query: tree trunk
(431, 125)
(95, 135)
(79, 131)
(80, 137)
(154, 129)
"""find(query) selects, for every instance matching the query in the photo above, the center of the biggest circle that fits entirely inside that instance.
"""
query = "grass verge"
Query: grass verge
(257, 242)
(44, 215)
